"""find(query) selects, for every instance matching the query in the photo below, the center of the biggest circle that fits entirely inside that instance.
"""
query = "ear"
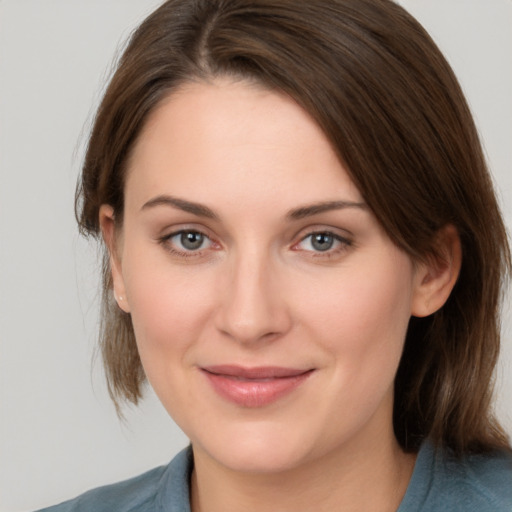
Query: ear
(111, 239)
(436, 277)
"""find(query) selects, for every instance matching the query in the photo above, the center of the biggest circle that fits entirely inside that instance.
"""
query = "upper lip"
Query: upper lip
(256, 372)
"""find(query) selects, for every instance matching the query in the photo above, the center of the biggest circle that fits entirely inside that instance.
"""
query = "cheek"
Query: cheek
(169, 309)
(169, 313)
(363, 312)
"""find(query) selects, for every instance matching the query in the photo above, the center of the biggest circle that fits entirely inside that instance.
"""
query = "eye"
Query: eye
(190, 240)
(185, 242)
(323, 242)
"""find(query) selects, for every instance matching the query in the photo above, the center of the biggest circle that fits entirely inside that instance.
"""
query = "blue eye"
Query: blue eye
(188, 241)
(323, 242)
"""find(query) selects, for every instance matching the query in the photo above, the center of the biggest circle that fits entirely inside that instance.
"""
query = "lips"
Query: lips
(254, 387)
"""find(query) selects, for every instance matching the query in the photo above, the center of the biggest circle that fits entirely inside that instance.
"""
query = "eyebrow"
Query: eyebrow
(296, 214)
(187, 206)
(316, 208)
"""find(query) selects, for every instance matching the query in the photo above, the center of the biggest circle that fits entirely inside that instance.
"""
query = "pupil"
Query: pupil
(191, 240)
(322, 241)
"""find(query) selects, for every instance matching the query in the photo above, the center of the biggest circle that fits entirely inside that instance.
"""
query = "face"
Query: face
(269, 306)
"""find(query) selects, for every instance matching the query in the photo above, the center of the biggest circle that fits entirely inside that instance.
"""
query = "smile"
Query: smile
(254, 387)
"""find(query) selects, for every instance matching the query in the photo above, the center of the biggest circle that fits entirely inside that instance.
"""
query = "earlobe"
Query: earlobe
(108, 231)
(436, 277)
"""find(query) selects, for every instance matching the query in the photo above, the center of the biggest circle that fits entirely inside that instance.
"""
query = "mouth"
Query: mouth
(254, 387)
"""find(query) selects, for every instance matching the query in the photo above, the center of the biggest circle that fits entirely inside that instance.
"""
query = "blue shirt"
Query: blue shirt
(440, 483)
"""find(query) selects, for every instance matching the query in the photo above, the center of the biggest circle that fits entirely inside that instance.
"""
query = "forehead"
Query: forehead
(238, 140)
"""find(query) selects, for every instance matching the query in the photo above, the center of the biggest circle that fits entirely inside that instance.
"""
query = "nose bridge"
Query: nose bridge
(253, 306)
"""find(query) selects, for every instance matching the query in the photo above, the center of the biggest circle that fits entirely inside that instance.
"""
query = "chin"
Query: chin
(262, 449)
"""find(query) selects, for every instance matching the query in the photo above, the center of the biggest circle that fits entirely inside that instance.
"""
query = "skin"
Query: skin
(258, 292)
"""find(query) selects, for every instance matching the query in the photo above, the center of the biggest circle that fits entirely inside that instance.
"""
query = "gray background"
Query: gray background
(59, 434)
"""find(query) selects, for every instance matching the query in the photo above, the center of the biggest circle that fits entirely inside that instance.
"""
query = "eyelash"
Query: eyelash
(169, 246)
(343, 243)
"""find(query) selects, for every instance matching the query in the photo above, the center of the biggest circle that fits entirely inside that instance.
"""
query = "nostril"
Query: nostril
(251, 307)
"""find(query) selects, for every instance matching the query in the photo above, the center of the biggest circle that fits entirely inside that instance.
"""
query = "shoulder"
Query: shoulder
(143, 493)
(441, 481)
(134, 494)
(484, 479)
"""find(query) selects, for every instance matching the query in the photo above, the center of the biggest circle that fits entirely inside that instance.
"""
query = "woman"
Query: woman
(304, 258)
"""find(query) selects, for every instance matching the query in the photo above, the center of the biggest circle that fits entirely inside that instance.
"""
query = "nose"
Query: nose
(252, 306)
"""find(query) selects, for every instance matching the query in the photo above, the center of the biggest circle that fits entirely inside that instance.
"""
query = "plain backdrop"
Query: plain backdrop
(59, 434)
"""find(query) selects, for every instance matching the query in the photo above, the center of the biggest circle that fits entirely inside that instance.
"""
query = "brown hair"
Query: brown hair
(380, 89)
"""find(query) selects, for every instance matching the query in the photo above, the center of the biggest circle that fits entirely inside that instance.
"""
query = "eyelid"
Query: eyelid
(170, 231)
(339, 233)
(165, 241)
(343, 241)
(179, 235)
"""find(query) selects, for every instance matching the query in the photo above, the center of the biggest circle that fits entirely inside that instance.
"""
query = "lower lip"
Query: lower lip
(254, 392)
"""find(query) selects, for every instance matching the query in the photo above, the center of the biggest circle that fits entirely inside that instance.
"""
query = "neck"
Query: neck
(373, 479)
